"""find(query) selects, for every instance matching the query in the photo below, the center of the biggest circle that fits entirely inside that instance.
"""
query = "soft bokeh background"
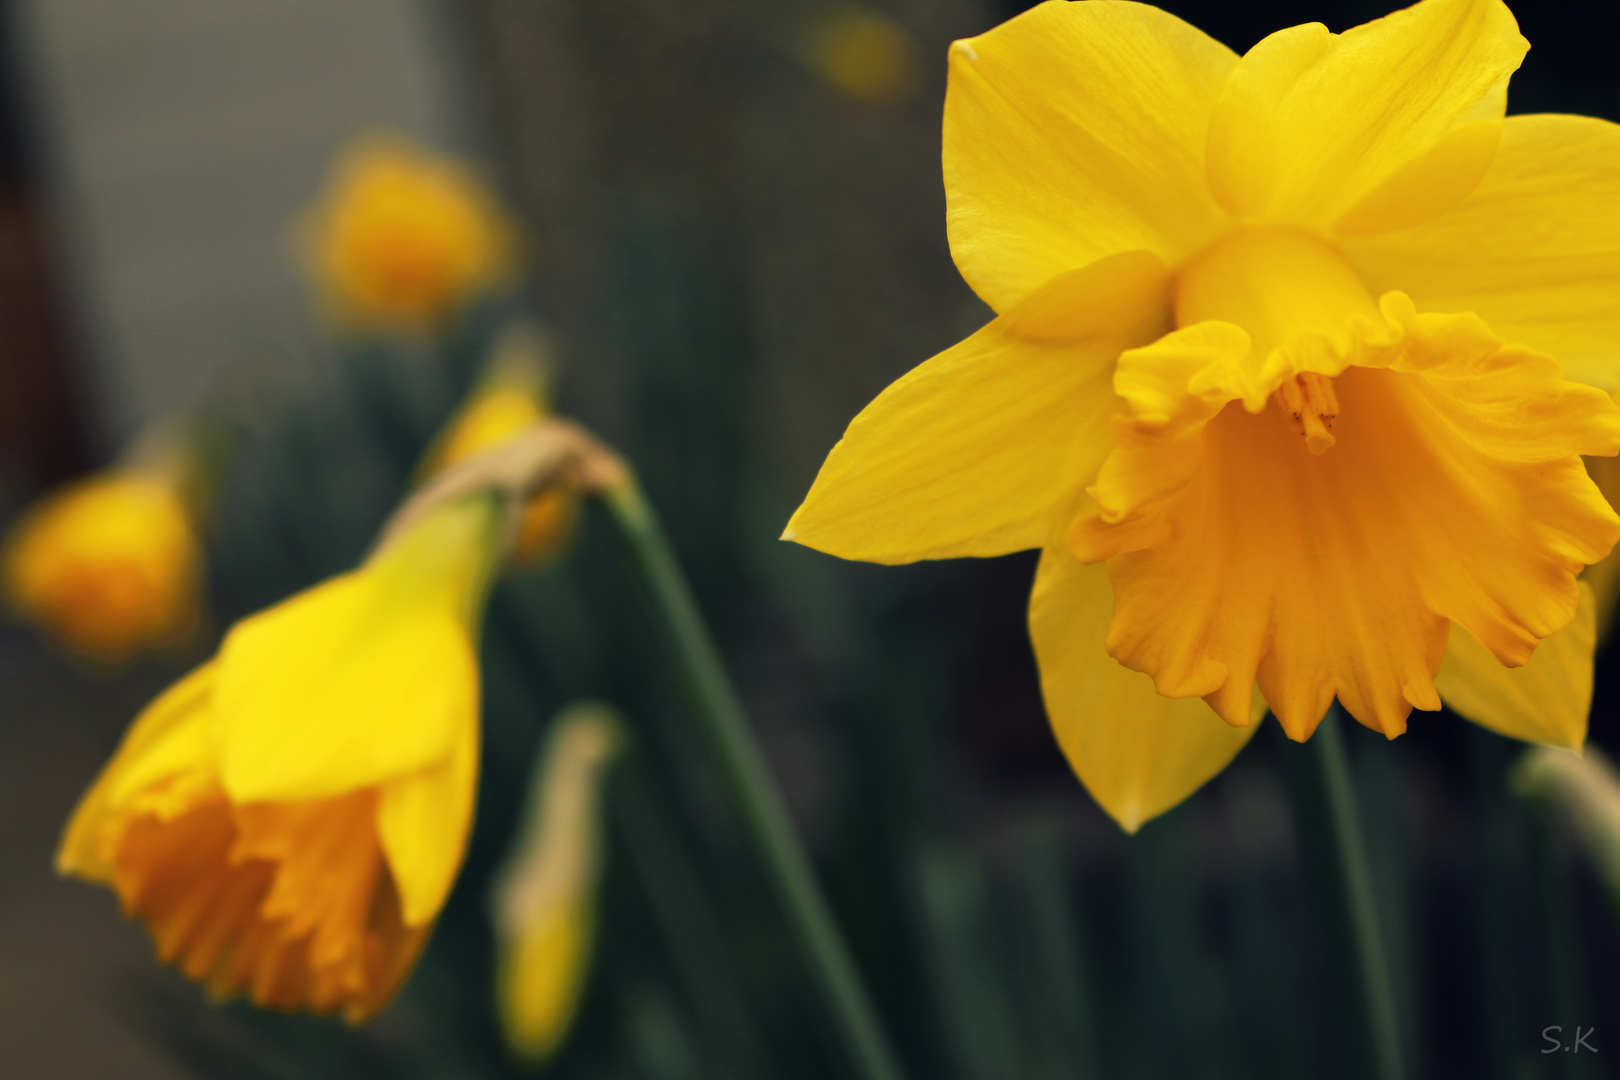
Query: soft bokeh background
(734, 252)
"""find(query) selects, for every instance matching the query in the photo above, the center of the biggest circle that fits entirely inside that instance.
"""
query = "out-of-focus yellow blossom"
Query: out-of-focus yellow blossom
(510, 398)
(545, 899)
(1587, 788)
(861, 51)
(404, 237)
(288, 818)
(109, 565)
(1285, 380)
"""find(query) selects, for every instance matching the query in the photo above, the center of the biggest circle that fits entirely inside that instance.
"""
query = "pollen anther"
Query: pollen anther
(1311, 407)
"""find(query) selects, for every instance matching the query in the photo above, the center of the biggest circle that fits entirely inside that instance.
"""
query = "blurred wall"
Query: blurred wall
(41, 433)
(182, 136)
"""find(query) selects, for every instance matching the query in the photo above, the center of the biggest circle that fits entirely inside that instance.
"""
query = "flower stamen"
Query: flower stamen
(1311, 406)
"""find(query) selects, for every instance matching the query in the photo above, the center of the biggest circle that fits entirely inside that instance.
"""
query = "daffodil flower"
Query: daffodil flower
(1295, 358)
(288, 818)
(109, 565)
(861, 51)
(404, 237)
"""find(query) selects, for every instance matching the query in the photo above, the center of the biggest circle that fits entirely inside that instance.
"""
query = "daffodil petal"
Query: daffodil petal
(1545, 701)
(1534, 249)
(1311, 124)
(170, 736)
(337, 689)
(364, 678)
(1425, 188)
(423, 821)
(167, 738)
(1073, 132)
(1138, 753)
(970, 452)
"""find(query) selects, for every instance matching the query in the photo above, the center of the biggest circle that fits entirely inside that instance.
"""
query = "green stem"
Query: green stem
(1350, 852)
(719, 712)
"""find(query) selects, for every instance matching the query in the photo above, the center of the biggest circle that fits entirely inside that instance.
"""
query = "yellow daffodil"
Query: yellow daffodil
(545, 899)
(404, 237)
(110, 565)
(288, 818)
(1295, 358)
(510, 398)
(861, 51)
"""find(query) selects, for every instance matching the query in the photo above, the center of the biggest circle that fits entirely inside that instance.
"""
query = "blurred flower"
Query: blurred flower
(288, 818)
(1587, 788)
(110, 565)
(510, 398)
(1251, 387)
(403, 237)
(545, 898)
(861, 51)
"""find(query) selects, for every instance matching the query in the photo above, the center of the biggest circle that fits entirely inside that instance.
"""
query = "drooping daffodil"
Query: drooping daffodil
(288, 818)
(1294, 361)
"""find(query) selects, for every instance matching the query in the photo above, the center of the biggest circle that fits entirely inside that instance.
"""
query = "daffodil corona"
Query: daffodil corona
(288, 819)
(1295, 358)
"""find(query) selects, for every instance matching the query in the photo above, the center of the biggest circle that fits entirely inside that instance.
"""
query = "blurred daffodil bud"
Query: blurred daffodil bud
(862, 52)
(110, 565)
(509, 398)
(1586, 787)
(404, 237)
(288, 818)
(544, 903)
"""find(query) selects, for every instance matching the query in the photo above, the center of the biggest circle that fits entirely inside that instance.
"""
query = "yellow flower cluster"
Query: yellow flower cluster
(288, 818)
(1295, 358)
